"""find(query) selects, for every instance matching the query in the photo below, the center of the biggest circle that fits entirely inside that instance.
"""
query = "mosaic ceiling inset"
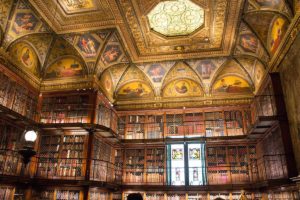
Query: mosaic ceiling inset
(173, 18)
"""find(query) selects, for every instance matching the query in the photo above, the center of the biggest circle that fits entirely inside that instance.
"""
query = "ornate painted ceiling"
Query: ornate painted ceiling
(149, 52)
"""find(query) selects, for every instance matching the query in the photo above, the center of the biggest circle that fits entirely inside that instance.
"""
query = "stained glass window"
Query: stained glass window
(176, 17)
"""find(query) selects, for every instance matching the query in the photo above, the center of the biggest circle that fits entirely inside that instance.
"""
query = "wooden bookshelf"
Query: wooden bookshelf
(214, 124)
(176, 196)
(135, 127)
(194, 124)
(7, 192)
(102, 168)
(68, 195)
(17, 96)
(154, 196)
(97, 195)
(10, 142)
(73, 108)
(155, 126)
(155, 163)
(234, 123)
(61, 156)
(174, 123)
(134, 165)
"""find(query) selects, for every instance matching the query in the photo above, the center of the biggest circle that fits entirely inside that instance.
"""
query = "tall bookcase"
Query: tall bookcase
(214, 124)
(234, 123)
(144, 165)
(10, 142)
(155, 160)
(155, 126)
(62, 156)
(17, 97)
(134, 165)
(135, 127)
(74, 108)
(174, 123)
(102, 168)
(194, 124)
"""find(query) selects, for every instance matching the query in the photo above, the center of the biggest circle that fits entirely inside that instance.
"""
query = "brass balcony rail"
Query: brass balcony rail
(75, 169)
(268, 167)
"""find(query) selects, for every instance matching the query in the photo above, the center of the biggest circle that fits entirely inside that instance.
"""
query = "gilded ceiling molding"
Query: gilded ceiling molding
(67, 84)
(188, 103)
(144, 51)
(104, 16)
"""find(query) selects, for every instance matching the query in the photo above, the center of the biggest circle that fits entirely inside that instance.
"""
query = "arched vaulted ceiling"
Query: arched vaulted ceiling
(114, 44)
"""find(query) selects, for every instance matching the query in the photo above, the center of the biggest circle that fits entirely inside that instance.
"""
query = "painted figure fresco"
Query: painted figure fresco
(134, 90)
(231, 84)
(183, 87)
(24, 22)
(78, 4)
(156, 72)
(107, 82)
(205, 68)
(277, 32)
(111, 54)
(269, 3)
(24, 53)
(88, 45)
(63, 68)
(249, 42)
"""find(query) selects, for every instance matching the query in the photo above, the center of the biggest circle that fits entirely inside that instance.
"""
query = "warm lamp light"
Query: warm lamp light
(30, 136)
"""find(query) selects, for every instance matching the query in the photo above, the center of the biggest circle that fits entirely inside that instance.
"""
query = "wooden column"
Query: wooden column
(91, 135)
(284, 125)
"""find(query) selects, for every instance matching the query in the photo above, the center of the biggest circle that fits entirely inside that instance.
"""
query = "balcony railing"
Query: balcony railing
(269, 167)
(74, 169)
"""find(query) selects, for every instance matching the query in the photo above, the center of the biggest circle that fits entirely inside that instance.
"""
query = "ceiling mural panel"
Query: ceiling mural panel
(277, 31)
(232, 67)
(26, 56)
(134, 90)
(156, 71)
(107, 83)
(181, 70)
(87, 44)
(249, 44)
(73, 15)
(74, 6)
(203, 42)
(64, 68)
(117, 72)
(182, 88)
(23, 21)
(113, 53)
(206, 68)
(59, 48)
(137, 53)
(271, 30)
(231, 85)
(5, 8)
(41, 43)
(271, 5)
